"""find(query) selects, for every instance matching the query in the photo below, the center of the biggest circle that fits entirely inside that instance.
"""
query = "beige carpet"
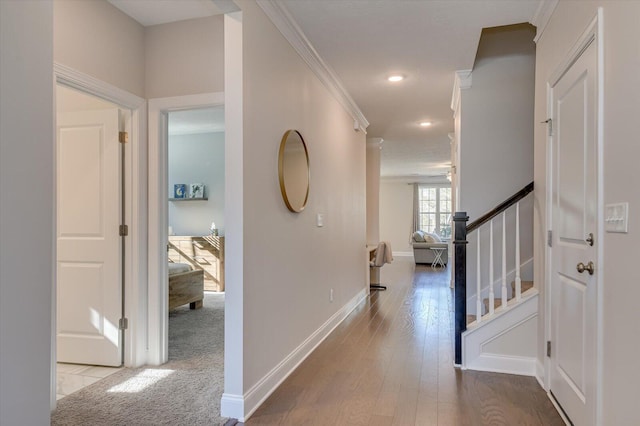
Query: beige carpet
(184, 391)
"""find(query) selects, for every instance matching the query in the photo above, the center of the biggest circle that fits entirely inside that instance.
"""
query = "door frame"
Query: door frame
(592, 34)
(135, 213)
(158, 296)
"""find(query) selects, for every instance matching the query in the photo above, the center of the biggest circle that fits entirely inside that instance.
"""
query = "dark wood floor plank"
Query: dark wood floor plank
(391, 363)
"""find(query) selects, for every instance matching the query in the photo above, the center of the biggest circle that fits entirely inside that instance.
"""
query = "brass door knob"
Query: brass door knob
(589, 267)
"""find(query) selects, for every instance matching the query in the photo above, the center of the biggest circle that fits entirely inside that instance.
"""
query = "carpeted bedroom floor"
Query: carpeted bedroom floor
(184, 391)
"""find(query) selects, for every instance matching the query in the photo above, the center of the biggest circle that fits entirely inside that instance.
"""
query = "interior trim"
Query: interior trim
(282, 19)
(543, 16)
(259, 392)
(462, 80)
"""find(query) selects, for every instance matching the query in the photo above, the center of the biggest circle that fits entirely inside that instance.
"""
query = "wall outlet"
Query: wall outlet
(331, 295)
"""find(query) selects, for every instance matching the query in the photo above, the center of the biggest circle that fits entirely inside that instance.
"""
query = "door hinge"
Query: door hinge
(549, 348)
(124, 230)
(123, 137)
(123, 324)
(550, 238)
(549, 123)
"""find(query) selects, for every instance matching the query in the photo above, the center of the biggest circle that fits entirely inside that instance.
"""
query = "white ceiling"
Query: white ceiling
(154, 12)
(427, 41)
(366, 40)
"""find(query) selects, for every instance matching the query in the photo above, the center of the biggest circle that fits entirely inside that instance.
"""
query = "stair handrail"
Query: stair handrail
(460, 231)
(500, 208)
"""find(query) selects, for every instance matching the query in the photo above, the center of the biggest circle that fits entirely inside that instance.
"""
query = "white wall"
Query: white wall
(621, 371)
(197, 158)
(26, 211)
(290, 265)
(496, 144)
(495, 126)
(396, 215)
(184, 58)
(373, 191)
(98, 39)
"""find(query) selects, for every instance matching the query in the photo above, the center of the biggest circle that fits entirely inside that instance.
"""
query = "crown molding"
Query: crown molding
(462, 80)
(284, 22)
(542, 16)
(78, 80)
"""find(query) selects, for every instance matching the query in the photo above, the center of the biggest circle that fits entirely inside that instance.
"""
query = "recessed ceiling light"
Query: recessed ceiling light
(425, 123)
(396, 77)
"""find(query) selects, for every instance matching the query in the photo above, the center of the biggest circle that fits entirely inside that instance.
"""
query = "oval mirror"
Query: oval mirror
(293, 171)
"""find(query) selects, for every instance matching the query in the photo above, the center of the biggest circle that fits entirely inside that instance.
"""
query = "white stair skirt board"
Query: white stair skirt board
(241, 407)
(479, 336)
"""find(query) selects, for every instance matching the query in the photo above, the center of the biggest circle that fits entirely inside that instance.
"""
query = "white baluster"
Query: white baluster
(504, 261)
(491, 292)
(518, 280)
(478, 282)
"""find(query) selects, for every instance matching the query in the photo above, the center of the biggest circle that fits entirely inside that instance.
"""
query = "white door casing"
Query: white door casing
(574, 217)
(89, 254)
(158, 291)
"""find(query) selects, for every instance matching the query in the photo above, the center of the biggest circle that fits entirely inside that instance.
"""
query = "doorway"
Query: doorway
(90, 248)
(195, 212)
(160, 190)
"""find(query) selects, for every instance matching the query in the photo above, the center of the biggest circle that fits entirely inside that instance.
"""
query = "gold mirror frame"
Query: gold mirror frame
(301, 168)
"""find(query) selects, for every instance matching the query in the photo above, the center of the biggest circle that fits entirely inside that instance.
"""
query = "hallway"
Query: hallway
(391, 363)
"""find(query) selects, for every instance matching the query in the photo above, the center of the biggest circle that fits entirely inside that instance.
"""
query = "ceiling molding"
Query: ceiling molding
(88, 84)
(542, 16)
(462, 80)
(282, 19)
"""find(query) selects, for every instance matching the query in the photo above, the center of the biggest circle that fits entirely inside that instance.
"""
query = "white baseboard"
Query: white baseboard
(522, 366)
(241, 407)
(540, 374)
(232, 406)
(402, 254)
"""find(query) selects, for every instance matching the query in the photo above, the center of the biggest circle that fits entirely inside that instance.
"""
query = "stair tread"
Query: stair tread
(524, 286)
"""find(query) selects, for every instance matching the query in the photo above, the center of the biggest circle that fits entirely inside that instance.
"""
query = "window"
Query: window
(434, 210)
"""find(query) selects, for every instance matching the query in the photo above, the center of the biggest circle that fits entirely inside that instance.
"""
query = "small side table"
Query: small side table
(437, 257)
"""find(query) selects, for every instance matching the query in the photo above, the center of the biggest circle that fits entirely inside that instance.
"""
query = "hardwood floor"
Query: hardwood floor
(391, 363)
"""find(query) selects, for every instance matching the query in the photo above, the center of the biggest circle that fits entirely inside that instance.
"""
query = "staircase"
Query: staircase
(526, 285)
(500, 332)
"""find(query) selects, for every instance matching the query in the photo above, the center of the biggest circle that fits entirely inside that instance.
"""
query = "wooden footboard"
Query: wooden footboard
(187, 287)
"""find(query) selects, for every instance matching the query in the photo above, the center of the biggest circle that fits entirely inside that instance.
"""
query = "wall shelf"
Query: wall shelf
(189, 199)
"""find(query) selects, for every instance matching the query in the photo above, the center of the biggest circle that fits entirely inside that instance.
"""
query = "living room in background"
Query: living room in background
(433, 209)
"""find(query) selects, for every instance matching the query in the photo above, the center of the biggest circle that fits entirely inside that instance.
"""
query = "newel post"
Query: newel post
(460, 242)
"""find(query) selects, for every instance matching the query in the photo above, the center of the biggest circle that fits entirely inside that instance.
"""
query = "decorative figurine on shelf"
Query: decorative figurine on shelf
(213, 230)
(180, 190)
(197, 190)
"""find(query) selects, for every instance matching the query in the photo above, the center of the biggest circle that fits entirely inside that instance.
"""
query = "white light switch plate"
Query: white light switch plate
(616, 217)
(319, 220)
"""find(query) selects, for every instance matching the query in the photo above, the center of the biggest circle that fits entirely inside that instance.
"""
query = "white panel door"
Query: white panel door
(88, 243)
(574, 191)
